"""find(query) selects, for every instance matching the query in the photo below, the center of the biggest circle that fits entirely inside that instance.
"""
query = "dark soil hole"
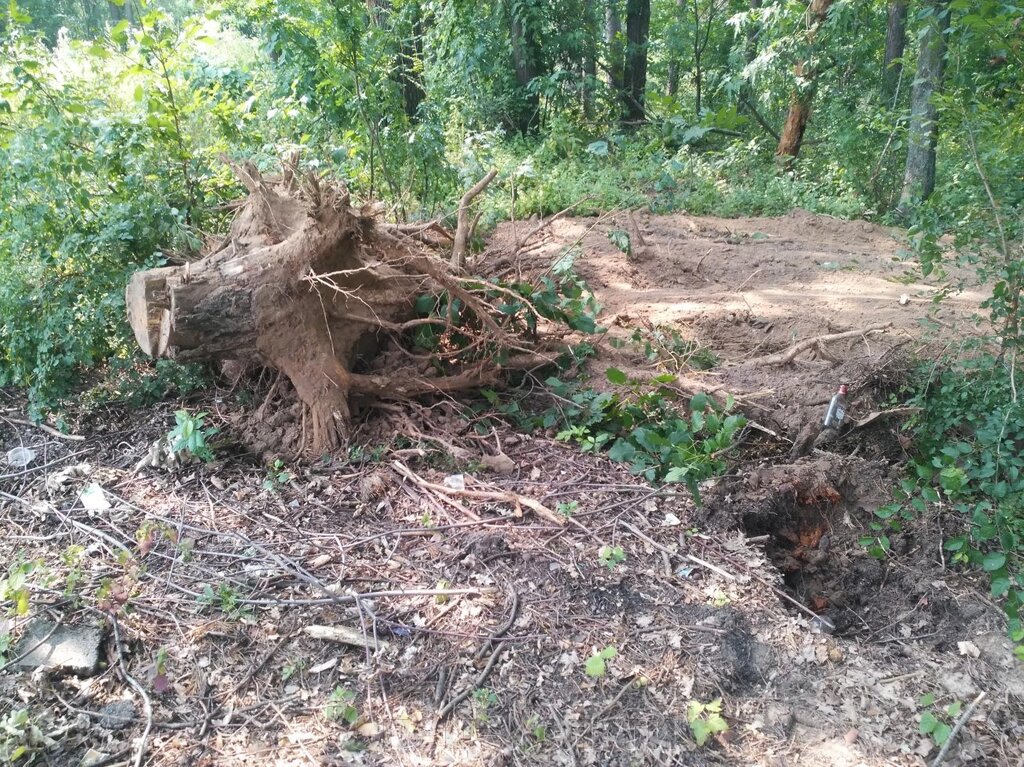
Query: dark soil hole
(809, 534)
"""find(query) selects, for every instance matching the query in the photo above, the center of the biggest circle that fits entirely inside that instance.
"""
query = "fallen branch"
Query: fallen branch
(464, 225)
(760, 120)
(956, 729)
(147, 704)
(665, 550)
(787, 356)
(495, 654)
(417, 230)
(891, 412)
(343, 635)
(49, 430)
(499, 496)
(520, 244)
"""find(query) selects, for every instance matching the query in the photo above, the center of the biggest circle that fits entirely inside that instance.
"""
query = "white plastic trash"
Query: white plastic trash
(93, 498)
(20, 457)
(455, 482)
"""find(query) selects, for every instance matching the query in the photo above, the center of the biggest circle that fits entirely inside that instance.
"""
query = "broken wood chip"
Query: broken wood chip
(344, 635)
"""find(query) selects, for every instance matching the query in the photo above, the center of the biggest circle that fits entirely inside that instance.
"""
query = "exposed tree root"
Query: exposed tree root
(318, 290)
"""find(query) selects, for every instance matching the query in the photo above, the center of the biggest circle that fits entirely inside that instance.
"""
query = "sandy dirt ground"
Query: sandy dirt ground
(474, 618)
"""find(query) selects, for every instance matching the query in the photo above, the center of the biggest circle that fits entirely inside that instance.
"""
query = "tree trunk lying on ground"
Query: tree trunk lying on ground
(314, 288)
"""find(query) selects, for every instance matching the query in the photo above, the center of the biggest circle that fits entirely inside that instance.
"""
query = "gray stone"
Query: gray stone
(68, 649)
(117, 715)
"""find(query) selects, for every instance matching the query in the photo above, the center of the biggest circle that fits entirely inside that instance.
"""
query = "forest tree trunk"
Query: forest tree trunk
(524, 54)
(589, 64)
(675, 53)
(919, 175)
(753, 36)
(638, 23)
(800, 100)
(410, 66)
(895, 44)
(613, 43)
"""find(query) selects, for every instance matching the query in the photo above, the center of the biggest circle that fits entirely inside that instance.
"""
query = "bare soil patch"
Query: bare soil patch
(761, 597)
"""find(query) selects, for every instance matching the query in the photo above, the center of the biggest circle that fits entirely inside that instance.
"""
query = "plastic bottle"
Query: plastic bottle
(836, 409)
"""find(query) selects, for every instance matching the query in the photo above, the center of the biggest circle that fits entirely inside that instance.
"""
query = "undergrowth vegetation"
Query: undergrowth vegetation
(967, 472)
(645, 424)
(112, 129)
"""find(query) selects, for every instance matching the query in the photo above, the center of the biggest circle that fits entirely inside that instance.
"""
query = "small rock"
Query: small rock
(92, 756)
(71, 649)
(499, 464)
(117, 715)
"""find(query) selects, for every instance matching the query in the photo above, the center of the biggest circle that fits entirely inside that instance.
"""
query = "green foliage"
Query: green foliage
(20, 736)
(104, 174)
(642, 426)
(226, 599)
(340, 706)
(611, 556)
(664, 345)
(567, 508)
(705, 720)
(141, 383)
(189, 437)
(538, 731)
(639, 423)
(937, 721)
(14, 587)
(483, 699)
(596, 665)
(277, 476)
(968, 464)
(560, 297)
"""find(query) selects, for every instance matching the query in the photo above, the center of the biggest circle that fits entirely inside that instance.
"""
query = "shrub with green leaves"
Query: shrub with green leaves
(969, 466)
(110, 150)
(190, 437)
(705, 720)
(642, 425)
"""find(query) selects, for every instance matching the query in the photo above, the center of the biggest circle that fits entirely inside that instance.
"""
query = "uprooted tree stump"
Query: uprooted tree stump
(308, 285)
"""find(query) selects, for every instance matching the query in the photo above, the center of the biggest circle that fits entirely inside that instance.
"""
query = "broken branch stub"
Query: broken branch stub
(312, 287)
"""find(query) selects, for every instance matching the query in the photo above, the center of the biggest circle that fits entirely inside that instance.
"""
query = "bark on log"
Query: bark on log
(802, 96)
(309, 286)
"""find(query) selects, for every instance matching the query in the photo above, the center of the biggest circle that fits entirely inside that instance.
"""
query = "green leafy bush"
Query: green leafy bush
(968, 463)
(640, 423)
(190, 437)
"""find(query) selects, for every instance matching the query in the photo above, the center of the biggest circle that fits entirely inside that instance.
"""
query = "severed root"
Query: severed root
(787, 356)
(500, 496)
(638, 248)
(464, 225)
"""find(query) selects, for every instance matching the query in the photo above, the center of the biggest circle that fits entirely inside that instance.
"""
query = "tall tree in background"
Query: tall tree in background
(410, 64)
(589, 63)
(674, 63)
(895, 43)
(613, 43)
(524, 58)
(703, 23)
(638, 23)
(919, 176)
(800, 100)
